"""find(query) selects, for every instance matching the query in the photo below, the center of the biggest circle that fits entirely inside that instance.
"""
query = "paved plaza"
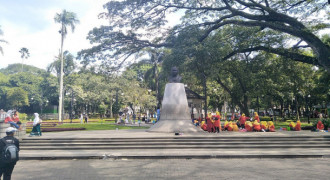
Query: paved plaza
(125, 163)
(173, 169)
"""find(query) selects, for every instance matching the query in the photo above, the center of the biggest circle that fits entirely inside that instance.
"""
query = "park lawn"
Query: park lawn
(99, 126)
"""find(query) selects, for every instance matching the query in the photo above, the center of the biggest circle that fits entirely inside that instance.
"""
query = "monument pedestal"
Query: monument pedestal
(175, 115)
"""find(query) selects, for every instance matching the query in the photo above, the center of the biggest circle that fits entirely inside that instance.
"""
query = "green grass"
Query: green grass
(284, 124)
(99, 126)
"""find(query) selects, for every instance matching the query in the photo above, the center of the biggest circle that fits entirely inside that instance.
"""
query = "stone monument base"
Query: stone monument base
(174, 115)
(183, 126)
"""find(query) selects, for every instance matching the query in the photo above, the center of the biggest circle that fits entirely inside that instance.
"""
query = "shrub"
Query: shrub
(326, 123)
(265, 118)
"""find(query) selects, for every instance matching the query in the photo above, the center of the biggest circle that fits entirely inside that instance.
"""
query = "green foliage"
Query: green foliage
(17, 97)
(115, 108)
(23, 116)
(326, 123)
(265, 118)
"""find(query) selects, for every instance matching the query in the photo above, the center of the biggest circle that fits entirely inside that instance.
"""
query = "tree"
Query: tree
(134, 22)
(1, 41)
(24, 54)
(17, 97)
(65, 19)
(68, 65)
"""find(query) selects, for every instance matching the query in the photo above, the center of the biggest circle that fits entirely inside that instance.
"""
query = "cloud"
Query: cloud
(41, 35)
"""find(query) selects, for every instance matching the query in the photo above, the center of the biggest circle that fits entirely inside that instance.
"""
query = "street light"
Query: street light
(307, 105)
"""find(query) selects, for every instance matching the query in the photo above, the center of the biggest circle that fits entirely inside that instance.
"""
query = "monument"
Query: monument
(175, 115)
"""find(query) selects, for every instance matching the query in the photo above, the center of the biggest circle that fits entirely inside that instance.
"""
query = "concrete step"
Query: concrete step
(91, 143)
(173, 147)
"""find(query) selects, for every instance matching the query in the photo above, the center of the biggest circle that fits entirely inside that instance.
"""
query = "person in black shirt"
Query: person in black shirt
(7, 168)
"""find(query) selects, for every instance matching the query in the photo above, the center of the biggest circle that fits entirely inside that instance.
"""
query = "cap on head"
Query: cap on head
(11, 130)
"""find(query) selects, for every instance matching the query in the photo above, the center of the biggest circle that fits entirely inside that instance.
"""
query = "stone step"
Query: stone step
(173, 140)
(91, 143)
(248, 146)
(223, 138)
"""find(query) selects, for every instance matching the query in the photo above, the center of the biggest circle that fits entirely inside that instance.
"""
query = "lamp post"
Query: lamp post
(71, 115)
(307, 107)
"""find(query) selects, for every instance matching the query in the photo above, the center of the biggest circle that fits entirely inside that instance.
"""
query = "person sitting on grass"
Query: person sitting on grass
(256, 126)
(320, 126)
(271, 126)
(298, 126)
(249, 126)
(292, 125)
(264, 126)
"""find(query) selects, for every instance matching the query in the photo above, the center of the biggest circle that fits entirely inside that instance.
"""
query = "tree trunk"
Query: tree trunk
(60, 113)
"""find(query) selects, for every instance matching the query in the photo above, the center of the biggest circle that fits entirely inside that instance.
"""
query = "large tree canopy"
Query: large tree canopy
(136, 24)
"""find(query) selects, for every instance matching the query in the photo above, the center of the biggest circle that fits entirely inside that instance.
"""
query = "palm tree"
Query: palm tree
(24, 54)
(65, 19)
(1, 40)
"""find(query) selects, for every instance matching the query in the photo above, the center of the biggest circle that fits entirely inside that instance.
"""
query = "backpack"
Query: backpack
(9, 152)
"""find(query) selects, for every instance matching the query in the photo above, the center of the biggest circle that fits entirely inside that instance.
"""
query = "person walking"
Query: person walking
(9, 147)
(36, 130)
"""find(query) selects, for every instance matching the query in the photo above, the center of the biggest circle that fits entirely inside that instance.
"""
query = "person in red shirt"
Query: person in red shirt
(256, 117)
(210, 125)
(15, 117)
(320, 126)
(242, 120)
(298, 126)
(217, 124)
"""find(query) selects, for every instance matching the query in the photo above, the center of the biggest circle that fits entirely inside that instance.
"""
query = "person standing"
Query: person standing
(256, 117)
(134, 117)
(81, 118)
(217, 123)
(86, 118)
(158, 114)
(9, 147)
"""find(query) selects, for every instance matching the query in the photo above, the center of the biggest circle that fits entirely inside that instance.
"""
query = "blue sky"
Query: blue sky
(30, 24)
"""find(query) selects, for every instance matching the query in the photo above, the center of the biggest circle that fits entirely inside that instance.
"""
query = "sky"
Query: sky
(30, 24)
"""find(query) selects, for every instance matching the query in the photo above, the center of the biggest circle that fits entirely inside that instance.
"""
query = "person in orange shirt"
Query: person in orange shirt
(230, 126)
(256, 126)
(256, 117)
(217, 124)
(248, 126)
(271, 126)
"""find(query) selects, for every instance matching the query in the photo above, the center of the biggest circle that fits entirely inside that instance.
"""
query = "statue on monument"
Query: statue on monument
(174, 77)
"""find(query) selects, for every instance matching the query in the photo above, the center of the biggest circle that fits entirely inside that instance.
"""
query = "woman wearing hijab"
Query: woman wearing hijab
(36, 131)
